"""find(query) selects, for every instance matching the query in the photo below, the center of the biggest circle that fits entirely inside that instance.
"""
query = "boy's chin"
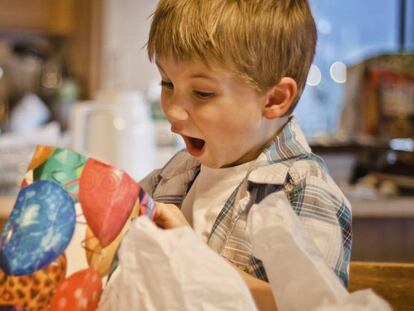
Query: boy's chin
(207, 161)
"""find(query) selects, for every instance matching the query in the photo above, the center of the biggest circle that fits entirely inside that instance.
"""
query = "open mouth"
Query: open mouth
(195, 146)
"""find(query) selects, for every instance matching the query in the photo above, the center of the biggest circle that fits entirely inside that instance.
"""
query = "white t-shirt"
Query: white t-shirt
(209, 193)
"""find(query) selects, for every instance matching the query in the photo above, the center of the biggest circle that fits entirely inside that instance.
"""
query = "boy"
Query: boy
(232, 72)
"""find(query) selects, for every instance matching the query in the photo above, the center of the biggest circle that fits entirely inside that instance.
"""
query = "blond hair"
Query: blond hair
(261, 41)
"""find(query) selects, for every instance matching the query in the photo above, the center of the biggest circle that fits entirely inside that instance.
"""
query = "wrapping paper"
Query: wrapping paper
(64, 230)
(73, 212)
(172, 270)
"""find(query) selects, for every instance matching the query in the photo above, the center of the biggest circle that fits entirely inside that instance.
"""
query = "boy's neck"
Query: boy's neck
(279, 124)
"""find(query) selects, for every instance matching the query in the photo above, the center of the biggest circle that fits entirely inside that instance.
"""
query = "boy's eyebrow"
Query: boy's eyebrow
(196, 75)
(204, 76)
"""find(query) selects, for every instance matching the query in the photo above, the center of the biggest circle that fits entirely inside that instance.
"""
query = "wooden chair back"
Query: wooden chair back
(392, 281)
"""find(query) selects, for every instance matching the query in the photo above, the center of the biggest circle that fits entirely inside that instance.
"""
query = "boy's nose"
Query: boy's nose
(175, 112)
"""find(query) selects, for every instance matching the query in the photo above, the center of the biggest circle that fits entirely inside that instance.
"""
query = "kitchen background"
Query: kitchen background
(74, 73)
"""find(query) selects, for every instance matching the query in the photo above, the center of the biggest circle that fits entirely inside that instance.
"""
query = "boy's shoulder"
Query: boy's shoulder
(307, 165)
(306, 174)
(169, 183)
(181, 163)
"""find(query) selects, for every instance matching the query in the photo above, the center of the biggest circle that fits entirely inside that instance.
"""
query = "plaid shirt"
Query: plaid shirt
(287, 164)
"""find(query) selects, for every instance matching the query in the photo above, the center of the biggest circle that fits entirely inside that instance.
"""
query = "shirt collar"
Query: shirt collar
(271, 167)
(181, 164)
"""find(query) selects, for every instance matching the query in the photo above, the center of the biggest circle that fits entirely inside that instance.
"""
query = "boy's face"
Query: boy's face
(219, 117)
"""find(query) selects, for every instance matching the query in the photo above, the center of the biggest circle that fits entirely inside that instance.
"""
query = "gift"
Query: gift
(60, 241)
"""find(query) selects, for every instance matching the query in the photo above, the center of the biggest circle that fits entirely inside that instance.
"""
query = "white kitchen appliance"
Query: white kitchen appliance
(116, 128)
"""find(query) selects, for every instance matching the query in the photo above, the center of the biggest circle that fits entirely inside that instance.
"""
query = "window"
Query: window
(349, 31)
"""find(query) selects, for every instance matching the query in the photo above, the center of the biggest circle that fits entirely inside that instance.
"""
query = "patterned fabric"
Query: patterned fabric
(287, 164)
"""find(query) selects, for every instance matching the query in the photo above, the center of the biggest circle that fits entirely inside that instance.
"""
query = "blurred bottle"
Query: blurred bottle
(58, 86)
(67, 95)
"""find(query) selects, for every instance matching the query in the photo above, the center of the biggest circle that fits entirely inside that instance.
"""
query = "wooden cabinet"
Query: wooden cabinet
(85, 43)
(47, 16)
(77, 22)
(383, 229)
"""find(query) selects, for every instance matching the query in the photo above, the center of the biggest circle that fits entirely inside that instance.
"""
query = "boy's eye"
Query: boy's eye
(167, 84)
(203, 95)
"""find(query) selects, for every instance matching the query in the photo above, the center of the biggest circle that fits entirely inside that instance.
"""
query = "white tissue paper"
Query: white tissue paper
(299, 277)
(172, 270)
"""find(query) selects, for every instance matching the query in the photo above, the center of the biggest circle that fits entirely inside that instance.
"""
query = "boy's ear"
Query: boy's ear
(280, 98)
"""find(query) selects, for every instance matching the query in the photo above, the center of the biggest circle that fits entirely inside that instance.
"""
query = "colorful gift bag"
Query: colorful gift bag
(65, 229)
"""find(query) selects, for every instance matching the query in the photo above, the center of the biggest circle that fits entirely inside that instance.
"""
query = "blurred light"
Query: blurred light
(324, 26)
(119, 124)
(338, 72)
(1, 72)
(315, 76)
(50, 80)
(402, 144)
(392, 157)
